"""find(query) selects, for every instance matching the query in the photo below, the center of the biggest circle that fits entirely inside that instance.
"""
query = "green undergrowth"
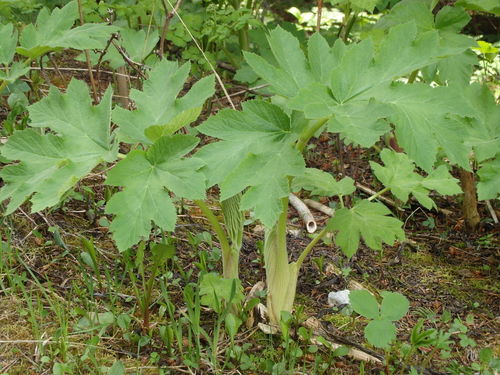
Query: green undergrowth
(58, 309)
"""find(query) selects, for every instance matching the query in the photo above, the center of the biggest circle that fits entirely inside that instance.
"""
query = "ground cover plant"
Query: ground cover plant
(139, 213)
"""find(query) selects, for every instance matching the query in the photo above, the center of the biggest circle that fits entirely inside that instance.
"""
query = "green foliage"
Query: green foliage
(256, 152)
(380, 331)
(352, 85)
(216, 291)
(489, 175)
(158, 106)
(51, 164)
(398, 175)
(138, 44)
(8, 43)
(367, 220)
(322, 183)
(447, 23)
(216, 28)
(53, 30)
(144, 176)
(358, 5)
(490, 6)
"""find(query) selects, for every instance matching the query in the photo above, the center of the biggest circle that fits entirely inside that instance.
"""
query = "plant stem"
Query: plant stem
(308, 133)
(281, 276)
(318, 20)
(469, 206)
(168, 17)
(310, 246)
(221, 235)
(87, 58)
(379, 193)
(243, 32)
(233, 218)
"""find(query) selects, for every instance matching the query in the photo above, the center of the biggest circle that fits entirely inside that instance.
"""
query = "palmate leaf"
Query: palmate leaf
(256, 152)
(380, 331)
(448, 22)
(53, 30)
(490, 6)
(265, 175)
(399, 175)
(322, 183)
(483, 130)
(144, 176)
(51, 164)
(352, 85)
(137, 43)
(8, 43)
(16, 70)
(488, 186)
(157, 104)
(367, 220)
(423, 124)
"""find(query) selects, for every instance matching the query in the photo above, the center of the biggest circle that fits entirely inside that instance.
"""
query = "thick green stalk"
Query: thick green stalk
(219, 232)
(309, 247)
(243, 32)
(309, 133)
(233, 218)
(281, 277)
(379, 193)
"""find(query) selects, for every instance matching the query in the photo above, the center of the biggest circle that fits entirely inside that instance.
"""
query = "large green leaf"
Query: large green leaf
(457, 60)
(399, 175)
(352, 85)
(367, 220)
(157, 104)
(293, 71)
(145, 176)
(488, 186)
(256, 152)
(51, 164)
(322, 183)
(137, 44)
(8, 43)
(490, 6)
(484, 129)
(53, 30)
(16, 70)
(266, 177)
(360, 122)
(421, 115)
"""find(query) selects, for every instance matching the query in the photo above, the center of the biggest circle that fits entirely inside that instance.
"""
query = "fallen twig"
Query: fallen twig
(367, 190)
(360, 353)
(320, 207)
(303, 212)
(133, 64)
(492, 211)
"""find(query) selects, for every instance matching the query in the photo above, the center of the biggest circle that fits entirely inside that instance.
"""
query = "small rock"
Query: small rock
(339, 298)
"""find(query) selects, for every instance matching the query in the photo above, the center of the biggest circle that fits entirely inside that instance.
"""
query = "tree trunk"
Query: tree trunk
(469, 207)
